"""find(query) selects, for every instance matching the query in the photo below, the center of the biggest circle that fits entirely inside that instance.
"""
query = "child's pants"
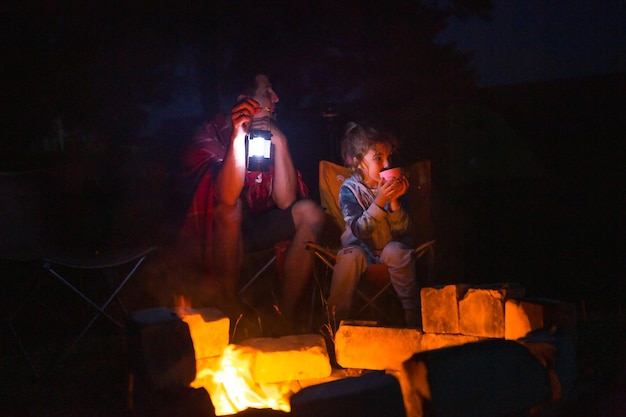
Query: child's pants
(352, 263)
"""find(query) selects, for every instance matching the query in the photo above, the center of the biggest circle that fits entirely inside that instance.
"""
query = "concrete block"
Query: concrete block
(160, 349)
(432, 341)
(209, 329)
(376, 348)
(481, 312)
(372, 394)
(527, 315)
(440, 309)
(521, 317)
(229, 382)
(556, 349)
(491, 378)
(175, 402)
(511, 289)
(287, 358)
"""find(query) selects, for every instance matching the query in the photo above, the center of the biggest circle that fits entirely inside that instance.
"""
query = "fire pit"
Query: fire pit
(189, 348)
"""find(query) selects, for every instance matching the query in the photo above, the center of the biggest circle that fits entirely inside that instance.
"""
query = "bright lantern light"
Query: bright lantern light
(259, 146)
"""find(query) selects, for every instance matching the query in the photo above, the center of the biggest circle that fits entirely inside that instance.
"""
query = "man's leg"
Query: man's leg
(228, 250)
(308, 218)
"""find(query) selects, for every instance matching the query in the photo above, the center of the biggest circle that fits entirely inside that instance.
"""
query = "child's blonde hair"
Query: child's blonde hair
(358, 139)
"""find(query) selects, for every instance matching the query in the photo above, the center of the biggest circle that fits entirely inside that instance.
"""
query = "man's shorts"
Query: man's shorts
(262, 230)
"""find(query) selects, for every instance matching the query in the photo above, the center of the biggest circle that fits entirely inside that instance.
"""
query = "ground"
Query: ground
(93, 379)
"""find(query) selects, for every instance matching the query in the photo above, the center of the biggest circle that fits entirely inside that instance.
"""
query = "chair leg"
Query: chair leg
(49, 268)
(22, 348)
(370, 302)
(312, 308)
(431, 265)
(254, 279)
(9, 322)
(100, 309)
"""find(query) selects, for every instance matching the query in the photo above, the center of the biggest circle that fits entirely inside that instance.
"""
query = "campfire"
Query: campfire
(232, 389)
(259, 373)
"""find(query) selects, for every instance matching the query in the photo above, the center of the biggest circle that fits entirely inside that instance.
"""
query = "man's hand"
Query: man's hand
(231, 176)
(242, 114)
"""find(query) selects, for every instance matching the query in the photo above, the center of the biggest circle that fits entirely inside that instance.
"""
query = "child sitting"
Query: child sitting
(376, 223)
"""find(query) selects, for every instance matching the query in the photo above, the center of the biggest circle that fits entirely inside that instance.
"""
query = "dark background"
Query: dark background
(519, 105)
(528, 178)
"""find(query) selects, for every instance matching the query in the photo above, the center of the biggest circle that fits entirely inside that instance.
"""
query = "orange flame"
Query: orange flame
(181, 301)
(228, 378)
(232, 388)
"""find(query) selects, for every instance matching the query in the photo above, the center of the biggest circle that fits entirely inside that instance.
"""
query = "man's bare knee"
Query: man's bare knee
(307, 213)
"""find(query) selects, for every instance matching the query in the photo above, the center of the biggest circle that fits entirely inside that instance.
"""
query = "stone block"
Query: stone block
(209, 329)
(527, 315)
(288, 358)
(521, 317)
(556, 349)
(493, 377)
(481, 312)
(228, 380)
(175, 402)
(160, 349)
(372, 394)
(376, 348)
(511, 289)
(440, 309)
(432, 341)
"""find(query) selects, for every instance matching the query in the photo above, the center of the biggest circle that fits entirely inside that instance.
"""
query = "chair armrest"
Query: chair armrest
(324, 254)
(424, 247)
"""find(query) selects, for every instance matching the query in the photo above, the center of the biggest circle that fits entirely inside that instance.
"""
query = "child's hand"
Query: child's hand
(391, 191)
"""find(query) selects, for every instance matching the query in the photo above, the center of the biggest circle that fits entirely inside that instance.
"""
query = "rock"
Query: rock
(493, 377)
(160, 349)
(209, 329)
(288, 358)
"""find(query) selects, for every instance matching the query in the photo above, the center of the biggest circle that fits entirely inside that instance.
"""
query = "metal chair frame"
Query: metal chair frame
(107, 260)
(275, 259)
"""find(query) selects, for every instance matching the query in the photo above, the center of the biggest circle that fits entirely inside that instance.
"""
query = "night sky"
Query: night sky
(125, 69)
(529, 41)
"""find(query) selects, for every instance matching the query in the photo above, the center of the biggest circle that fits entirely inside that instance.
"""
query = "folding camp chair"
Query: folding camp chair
(274, 256)
(251, 276)
(110, 264)
(116, 267)
(331, 177)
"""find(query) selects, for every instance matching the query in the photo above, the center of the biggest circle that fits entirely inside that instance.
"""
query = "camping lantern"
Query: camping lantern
(259, 150)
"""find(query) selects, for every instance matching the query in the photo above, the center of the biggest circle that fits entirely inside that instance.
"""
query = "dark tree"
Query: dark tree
(97, 66)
